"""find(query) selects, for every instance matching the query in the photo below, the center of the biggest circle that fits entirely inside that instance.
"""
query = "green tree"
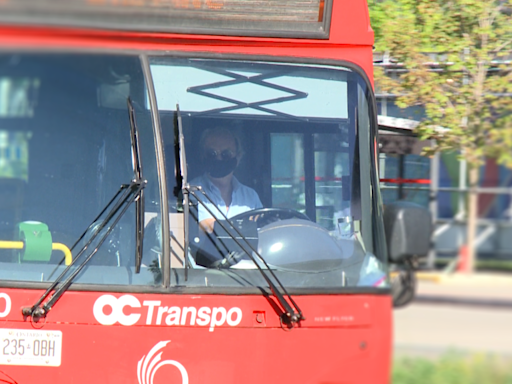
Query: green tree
(455, 60)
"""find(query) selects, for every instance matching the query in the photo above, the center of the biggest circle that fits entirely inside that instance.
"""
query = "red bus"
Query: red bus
(189, 194)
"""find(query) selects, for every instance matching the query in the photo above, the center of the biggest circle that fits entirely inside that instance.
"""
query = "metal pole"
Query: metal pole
(461, 212)
(433, 205)
(462, 186)
(510, 206)
(401, 176)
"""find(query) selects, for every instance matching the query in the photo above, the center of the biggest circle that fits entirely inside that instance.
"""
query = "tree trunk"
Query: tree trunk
(472, 218)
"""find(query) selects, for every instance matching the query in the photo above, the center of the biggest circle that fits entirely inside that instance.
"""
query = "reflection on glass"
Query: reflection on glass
(287, 157)
(14, 155)
(17, 96)
(64, 152)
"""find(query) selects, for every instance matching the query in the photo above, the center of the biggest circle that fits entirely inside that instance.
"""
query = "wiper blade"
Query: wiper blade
(138, 178)
(292, 314)
(184, 181)
(118, 205)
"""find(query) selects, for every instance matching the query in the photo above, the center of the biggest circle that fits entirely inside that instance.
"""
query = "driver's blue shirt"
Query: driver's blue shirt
(243, 199)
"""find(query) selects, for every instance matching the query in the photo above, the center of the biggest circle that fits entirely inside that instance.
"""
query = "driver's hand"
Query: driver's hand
(254, 218)
(207, 225)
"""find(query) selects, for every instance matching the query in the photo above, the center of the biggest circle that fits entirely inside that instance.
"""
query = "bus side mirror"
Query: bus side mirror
(408, 228)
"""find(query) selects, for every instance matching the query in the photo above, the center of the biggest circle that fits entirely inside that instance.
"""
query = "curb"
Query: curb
(462, 279)
(429, 276)
(425, 276)
(460, 301)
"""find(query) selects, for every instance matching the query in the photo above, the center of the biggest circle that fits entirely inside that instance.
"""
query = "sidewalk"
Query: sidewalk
(454, 312)
(478, 289)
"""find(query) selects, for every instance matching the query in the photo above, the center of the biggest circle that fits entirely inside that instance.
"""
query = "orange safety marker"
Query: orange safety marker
(463, 259)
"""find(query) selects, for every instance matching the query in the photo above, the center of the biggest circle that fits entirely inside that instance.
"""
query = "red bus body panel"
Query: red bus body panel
(350, 39)
(344, 339)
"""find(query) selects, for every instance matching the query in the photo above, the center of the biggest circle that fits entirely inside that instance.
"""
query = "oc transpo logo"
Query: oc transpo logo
(127, 310)
(8, 304)
(148, 365)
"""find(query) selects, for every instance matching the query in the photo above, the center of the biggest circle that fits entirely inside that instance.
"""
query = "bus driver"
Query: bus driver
(220, 155)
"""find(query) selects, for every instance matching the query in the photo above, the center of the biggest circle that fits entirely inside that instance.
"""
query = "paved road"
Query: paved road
(431, 329)
(463, 318)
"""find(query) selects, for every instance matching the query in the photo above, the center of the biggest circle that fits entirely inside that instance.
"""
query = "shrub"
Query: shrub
(453, 368)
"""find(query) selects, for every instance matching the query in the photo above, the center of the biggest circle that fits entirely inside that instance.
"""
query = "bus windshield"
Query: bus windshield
(65, 150)
(273, 172)
(277, 169)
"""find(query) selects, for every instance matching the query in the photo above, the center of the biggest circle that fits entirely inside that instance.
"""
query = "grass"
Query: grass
(494, 265)
(453, 368)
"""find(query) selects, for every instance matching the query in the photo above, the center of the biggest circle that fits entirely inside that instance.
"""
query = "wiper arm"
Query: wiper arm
(138, 178)
(184, 180)
(292, 314)
(118, 205)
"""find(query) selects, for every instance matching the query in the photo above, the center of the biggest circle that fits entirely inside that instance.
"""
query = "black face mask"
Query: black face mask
(219, 168)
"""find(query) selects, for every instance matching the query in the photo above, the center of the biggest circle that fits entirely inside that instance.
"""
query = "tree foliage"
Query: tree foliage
(453, 58)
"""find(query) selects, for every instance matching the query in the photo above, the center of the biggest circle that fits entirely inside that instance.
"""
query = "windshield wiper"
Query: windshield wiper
(113, 211)
(291, 313)
(184, 181)
(119, 205)
(137, 178)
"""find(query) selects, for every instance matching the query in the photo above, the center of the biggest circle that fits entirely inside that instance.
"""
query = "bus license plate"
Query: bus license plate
(30, 347)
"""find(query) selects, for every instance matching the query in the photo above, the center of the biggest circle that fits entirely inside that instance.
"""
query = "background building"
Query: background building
(440, 183)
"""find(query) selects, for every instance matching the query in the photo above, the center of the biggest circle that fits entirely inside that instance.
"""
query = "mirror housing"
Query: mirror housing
(408, 228)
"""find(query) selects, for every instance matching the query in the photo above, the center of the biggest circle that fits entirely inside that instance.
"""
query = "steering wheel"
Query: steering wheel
(265, 216)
